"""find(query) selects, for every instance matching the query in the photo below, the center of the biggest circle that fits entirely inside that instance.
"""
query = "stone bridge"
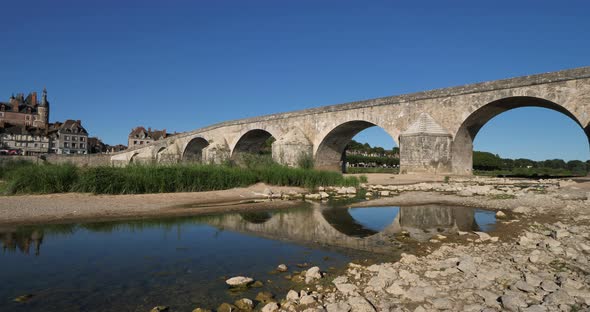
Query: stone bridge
(434, 129)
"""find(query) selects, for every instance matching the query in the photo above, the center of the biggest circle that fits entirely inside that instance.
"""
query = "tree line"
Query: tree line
(486, 161)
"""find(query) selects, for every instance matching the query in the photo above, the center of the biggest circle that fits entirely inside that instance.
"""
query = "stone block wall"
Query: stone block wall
(425, 153)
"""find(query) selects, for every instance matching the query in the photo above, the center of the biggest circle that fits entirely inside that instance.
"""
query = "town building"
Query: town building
(141, 136)
(28, 112)
(116, 148)
(28, 140)
(68, 137)
(96, 146)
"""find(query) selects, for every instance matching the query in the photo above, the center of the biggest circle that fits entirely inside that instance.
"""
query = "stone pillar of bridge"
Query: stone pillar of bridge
(425, 147)
(292, 148)
(216, 153)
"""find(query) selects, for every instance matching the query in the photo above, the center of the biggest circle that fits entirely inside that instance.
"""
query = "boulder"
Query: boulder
(282, 268)
(312, 274)
(239, 281)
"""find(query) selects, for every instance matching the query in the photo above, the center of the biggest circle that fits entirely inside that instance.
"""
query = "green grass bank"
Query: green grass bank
(28, 178)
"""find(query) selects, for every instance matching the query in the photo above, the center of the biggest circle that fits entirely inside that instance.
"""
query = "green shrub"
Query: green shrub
(305, 161)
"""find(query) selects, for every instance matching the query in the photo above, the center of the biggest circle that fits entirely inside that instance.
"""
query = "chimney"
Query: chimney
(149, 129)
(79, 122)
(33, 98)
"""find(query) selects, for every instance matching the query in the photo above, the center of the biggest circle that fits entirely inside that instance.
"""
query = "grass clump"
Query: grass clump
(141, 179)
(41, 179)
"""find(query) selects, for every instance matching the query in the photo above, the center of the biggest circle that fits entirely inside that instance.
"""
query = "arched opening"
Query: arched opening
(357, 147)
(254, 143)
(462, 147)
(193, 153)
(133, 159)
(159, 154)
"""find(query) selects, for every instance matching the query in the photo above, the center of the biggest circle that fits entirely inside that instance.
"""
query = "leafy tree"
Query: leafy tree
(486, 161)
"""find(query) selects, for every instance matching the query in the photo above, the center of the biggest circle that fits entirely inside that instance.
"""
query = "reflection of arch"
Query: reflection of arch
(462, 146)
(435, 217)
(252, 142)
(330, 152)
(256, 217)
(194, 150)
(341, 220)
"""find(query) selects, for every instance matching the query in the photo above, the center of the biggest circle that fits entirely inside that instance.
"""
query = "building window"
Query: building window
(1, 114)
(66, 144)
(67, 138)
(74, 145)
(74, 138)
(82, 145)
(82, 139)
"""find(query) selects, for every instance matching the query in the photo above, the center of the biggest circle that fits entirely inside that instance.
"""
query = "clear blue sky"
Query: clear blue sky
(181, 65)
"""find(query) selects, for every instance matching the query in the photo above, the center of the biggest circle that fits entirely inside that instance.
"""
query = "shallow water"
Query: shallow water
(182, 262)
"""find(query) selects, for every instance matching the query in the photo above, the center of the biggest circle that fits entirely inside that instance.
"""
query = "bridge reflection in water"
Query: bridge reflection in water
(372, 229)
(346, 227)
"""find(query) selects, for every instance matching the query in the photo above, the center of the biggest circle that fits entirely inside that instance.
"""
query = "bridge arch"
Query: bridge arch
(253, 141)
(158, 155)
(133, 158)
(329, 152)
(193, 151)
(462, 145)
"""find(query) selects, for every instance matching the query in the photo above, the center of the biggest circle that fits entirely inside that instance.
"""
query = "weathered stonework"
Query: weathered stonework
(459, 111)
(291, 148)
(425, 147)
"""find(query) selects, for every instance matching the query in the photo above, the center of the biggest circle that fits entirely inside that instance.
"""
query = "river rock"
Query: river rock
(23, 298)
(306, 300)
(312, 274)
(522, 209)
(244, 304)
(292, 295)
(239, 281)
(360, 304)
(500, 214)
(313, 196)
(513, 302)
(270, 307)
(282, 268)
(226, 307)
(442, 304)
(160, 308)
(201, 310)
(264, 296)
(483, 236)
(338, 307)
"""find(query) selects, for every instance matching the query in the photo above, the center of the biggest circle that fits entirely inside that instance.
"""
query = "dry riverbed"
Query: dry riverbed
(536, 259)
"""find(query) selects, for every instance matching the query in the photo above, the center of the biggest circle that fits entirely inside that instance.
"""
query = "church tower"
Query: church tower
(43, 110)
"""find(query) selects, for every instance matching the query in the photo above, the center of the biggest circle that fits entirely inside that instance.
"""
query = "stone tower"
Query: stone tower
(43, 110)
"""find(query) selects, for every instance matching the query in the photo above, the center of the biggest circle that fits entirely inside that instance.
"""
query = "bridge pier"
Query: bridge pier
(425, 147)
(292, 148)
(216, 153)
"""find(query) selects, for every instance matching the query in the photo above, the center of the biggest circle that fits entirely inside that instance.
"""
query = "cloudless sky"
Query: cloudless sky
(182, 65)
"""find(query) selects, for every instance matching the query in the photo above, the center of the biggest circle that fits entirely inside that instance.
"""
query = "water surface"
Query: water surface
(182, 262)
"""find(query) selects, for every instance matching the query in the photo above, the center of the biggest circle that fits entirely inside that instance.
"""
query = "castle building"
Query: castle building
(27, 112)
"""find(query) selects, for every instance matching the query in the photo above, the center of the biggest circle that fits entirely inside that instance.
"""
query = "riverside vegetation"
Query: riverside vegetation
(28, 178)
